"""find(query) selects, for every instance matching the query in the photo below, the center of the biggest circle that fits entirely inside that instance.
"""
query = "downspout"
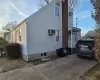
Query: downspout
(65, 24)
(26, 38)
(71, 41)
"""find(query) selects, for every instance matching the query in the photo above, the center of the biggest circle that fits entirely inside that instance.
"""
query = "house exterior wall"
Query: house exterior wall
(18, 35)
(70, 27)
(34, 31)
(75, 38)
(79, 35)
(13, 35)
(38, 24)
(70, 20)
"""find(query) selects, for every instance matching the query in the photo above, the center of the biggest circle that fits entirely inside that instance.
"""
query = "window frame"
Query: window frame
(57, 10)
(20, 37)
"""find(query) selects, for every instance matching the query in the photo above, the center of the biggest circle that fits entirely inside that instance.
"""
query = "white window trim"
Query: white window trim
(55, 10)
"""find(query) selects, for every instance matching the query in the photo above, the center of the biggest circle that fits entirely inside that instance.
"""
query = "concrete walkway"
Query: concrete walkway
(67, 68)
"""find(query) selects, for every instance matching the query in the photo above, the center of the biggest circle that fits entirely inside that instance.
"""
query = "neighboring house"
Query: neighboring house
(76, 35)
(92, 34)
(6, 36)
(43, 31)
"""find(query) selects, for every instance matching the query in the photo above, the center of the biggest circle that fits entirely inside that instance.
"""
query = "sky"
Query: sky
(17, 10)
(83, 13)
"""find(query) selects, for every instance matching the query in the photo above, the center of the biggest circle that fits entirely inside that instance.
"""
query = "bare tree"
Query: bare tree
(47, 1)
(96, 14)
(42, 3)
(9, 26)
(71, 3)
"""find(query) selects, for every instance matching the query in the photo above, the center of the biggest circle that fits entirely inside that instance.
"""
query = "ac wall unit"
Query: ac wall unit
(51, 31)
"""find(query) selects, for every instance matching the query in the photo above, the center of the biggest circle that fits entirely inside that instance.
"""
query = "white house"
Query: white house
(74, 36)
(43, 31)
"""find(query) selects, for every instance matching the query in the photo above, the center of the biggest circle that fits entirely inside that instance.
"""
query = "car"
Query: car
(85, 48)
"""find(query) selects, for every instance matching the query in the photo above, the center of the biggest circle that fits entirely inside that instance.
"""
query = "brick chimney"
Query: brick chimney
(64, 23)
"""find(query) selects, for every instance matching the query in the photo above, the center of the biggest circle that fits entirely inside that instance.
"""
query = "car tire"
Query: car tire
(78, 55)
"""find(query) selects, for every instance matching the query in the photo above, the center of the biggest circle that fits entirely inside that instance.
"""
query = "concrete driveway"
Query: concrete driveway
(67, 68)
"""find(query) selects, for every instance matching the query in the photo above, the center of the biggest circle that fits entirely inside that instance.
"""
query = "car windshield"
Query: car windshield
(89, 43)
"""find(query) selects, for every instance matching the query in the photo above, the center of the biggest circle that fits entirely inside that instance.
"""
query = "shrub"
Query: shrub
(3, 41)
(12, 50)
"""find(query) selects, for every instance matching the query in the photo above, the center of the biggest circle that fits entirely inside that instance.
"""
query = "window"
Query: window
(57, 36)
(57, 10)
(20, 37)
(85, 42)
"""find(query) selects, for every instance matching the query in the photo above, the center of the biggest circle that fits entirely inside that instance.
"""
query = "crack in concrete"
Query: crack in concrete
(40, 74)
(7, 76)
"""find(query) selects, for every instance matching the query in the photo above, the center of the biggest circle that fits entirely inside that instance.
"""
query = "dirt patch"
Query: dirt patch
(11, 64)
(8, 64)
(92, 74)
